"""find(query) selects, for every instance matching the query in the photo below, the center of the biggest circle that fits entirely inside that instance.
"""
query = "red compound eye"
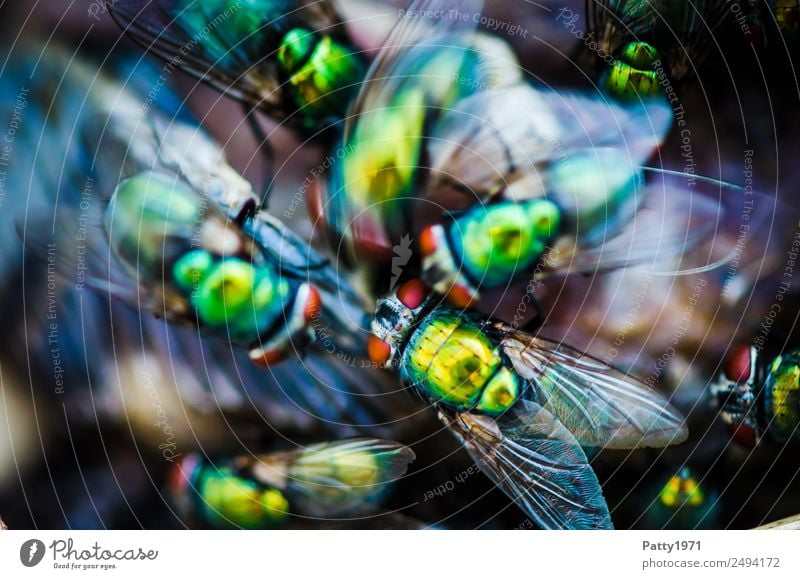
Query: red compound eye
(737, 366)
(379, 351)
(412, 293)
(313, 305)
(269, 358)
(461, 297)
(314, 200)
(181, 473)
(427, 240)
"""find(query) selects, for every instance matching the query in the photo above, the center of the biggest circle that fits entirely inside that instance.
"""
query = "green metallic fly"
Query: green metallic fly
(291, 60)
(332, 480)
(431, 60)
(759, 398)
(497, 179)
(108, 347)
(562, 190)
(522, 406)
(156, 217)
(652, 42)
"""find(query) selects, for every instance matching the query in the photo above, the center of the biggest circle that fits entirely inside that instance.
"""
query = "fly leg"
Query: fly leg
(266, 149)
(247, 211)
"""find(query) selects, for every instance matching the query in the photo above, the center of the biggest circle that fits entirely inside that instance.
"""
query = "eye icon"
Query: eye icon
(32, 552)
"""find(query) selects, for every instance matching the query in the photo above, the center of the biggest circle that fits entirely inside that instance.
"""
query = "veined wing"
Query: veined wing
(676, 224)
(536, 462)
(506, 141)
(336, 478)
(230, 45)
(597, 403)
(430, 60)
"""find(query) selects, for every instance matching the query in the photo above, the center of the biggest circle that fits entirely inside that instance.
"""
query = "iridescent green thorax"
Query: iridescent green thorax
(232, 294)
(452, 360)
(322, 74)
(389, 140)
(497, 243)
(634, 74)
(185, 251)
(225, 500)
(782, 398)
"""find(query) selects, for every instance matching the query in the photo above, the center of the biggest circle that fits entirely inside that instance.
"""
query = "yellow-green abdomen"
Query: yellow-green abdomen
(322, 74)
(453, 361)
(782, 398)
(229, 501)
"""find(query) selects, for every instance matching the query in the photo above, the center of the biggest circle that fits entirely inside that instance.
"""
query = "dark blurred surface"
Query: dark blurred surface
(60, 472)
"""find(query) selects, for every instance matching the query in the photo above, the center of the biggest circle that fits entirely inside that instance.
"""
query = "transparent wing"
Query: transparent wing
(679, 225)
(200, 37)
(78, 248)
(292, 254)
(504, 142)
(423, 19)
(336, 478)
(318, 396)
(536, 462)
(597, 403)
(344, 316)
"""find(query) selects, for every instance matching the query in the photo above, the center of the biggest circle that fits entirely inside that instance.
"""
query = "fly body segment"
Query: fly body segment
(435, 149)
(566, 190)
(152, 222)
(683, 502)
(454, 188)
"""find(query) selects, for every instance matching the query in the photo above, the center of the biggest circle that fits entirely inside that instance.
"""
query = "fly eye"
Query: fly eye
(295, 48)
(181, 474)
(737, 366)
(313, 304)
(427, 240)
(379, 351)
(412, 293)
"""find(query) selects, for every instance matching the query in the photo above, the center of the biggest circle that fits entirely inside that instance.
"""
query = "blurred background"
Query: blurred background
(86, 443)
